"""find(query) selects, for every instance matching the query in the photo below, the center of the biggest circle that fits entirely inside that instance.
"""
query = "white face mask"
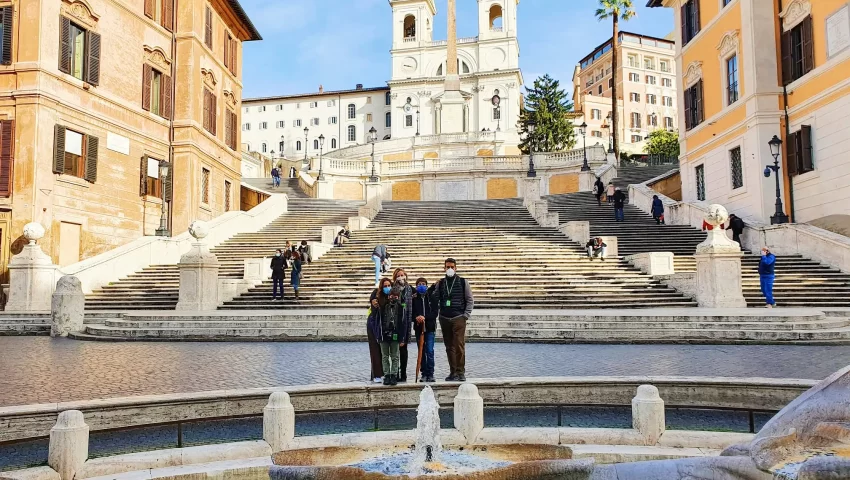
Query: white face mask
(450, 272)
(401, 280)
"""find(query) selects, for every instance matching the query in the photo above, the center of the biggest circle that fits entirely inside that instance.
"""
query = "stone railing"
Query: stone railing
(307, 184)
(405, 144)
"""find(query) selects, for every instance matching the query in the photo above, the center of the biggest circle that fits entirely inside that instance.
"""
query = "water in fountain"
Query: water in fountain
(428, 446)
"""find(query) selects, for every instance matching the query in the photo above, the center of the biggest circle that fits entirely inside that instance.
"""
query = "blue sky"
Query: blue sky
(340, 43)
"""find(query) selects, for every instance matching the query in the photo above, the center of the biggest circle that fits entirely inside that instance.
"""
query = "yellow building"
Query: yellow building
(95, 93)
(752, 69)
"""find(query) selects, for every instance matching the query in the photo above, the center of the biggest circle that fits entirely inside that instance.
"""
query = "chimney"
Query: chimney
(359, 86)
(321, 89)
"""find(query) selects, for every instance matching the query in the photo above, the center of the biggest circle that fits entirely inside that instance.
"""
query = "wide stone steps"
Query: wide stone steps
(288, 186)
(636, 174)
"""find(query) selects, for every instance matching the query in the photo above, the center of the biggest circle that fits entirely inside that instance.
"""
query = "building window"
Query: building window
(205, 185)
(798, 51)
(352, 111)
(314, 122)
(649, 63)
(668, 123)
(210, 112)
(690, 21)
(333, 143)
(230, 47)
(230, 128)
(315, 144)
(331, 103)
(700, 178)
(800, 151)
(633, 61)
(635, 120)
(693, 106)
(600, 89)
(368, 117)
(332, 120)
(650, 80)
(368, 100)
(298, 123)
(610, 83)
(666, 82)
(651, 99)
(161, 12)
(667, 101)
(596, 114)
(732, 80)
(261, 108)
(298, 146)
(314, 104)
(277, 108)
(737, 169)
(635, 97)
(74, 153)
(226, 196)
(388, 120)
(263, 148)
(634, 77)
(352, 133)
(665, 66)
(596, 133)
(208, 27)
(726, 2)
(156, 92)
(151, 183)
(264, 125)
(388, 99)
(246, 127)
(79, 51)
(6, 34)
(637, 139)
(281, 124)
(408, 120)
(409, 27)
(652, 120)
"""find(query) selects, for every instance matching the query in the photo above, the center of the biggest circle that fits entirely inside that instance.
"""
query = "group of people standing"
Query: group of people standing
(612, 194)
(291, 257)
(396, 307)
(275, 174)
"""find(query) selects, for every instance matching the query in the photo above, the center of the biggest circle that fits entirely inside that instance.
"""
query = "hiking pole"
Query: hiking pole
(419, 355)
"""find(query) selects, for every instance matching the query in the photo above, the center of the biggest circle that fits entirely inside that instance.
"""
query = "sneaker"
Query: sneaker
(387, 380)
(430, 379)
(393, 380)
(378, 380)
(460, 378)
(603, 259)
(768, 306)
(451, 378)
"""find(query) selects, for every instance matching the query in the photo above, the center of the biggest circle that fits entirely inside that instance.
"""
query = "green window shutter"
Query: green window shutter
(92, 144)
(59, 149)
(65, 45)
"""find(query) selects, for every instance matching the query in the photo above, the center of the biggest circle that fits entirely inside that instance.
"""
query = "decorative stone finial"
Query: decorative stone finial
(199, 229)
(33, 232)
(647, 392)
(717, 215)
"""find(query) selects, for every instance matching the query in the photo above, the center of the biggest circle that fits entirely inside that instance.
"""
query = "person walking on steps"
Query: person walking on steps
(596, 248)
(456, 303)
(426, 309)
(657, 210)
(380, 297)
(610, 192)
(379, 255)
(393, 331)
(295, 279)
(598, 190)
(275, 177)
(278, 267)
(737, 226)
(406, 297)
(767, 275)
(619, 204)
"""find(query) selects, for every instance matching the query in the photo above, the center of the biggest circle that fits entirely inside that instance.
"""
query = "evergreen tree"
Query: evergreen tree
(663, 142)
(547, 106)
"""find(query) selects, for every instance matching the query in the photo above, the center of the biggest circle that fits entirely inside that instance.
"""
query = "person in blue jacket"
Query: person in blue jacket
(657, 210)
(767, 274)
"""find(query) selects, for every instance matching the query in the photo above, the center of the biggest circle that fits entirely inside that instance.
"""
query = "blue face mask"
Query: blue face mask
(387, 290)
(422, 288)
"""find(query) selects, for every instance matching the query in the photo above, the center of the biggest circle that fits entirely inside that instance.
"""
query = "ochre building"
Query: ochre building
(96, 96)
(752, 69)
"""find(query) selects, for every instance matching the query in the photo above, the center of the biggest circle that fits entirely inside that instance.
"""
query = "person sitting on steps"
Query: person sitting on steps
(342, 236)
(596, 248)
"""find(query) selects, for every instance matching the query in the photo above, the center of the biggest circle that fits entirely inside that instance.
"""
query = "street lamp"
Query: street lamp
(162, 231)
(373, 137)
(775, 149)
(610, 134)
(583, 130)
(417, 121)
(497, 101)
(321, 145)
(532, 126)
(306, 143)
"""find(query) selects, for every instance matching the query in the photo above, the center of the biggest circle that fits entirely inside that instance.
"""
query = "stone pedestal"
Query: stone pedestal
(198, 274)
(718, 279)
(613, 246)
(586, 181)
(32, 275)
(69, 444)
(576, 231)
(279, 421)
(648, 414)
(469, 412)
(358, 223)
(324, 189)
(373, 192)
(68, 307)
(329, 233)
(653, 263)
(451, 113)
(530, 190)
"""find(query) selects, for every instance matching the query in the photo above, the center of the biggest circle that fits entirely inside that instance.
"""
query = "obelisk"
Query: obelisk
(452, 101)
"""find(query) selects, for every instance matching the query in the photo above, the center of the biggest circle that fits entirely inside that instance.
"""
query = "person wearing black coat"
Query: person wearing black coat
(278, 267)
(391, 330)
(737, 226)
(599, 190)
(426, 310)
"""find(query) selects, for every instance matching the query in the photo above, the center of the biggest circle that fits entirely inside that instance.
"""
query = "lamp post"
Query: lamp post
(610, 134)
(417, 121)
(373, 137)
(321, 145)
(162, 231)
(306, 144)
(532, 126)
(583, 130)
(779, 217)
(497, 104)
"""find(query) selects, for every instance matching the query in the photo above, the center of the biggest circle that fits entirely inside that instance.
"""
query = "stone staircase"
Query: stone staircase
(289, 186)
(510, 261)
(156, 287)
(635, 174)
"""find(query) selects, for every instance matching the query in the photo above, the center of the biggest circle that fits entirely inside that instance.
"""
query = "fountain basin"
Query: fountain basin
(496, 462)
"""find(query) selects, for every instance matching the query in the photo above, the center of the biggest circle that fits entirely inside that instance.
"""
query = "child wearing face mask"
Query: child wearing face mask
(406, 298)
(392, 330)
(426, 308)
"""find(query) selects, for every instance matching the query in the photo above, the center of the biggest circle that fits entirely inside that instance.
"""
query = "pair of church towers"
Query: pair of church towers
(413, 20)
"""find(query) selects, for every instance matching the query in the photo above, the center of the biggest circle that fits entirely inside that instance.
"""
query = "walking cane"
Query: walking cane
(419, 355)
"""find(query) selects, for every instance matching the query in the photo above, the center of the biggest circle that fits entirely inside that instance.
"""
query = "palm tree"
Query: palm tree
(616, 10)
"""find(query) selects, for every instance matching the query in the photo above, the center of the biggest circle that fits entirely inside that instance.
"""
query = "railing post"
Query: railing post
(69, 444)
(279, 421)
(469, 412)
(648, 414)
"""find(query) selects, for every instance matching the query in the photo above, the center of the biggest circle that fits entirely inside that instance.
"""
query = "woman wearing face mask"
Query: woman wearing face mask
(426, 308)
(391, 331)
(278, 267)
(406, 298)
(296, 273)
(379, 298)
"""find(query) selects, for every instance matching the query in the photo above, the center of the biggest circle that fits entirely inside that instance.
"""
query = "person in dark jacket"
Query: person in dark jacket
(657, 210)
(342, 236)
(392, 331)
(456, 303)
(767, 274)
(426, 309)
(278, 267)
(737, 226)
(304, 252)
(619, 204)
(406, 296)
(599, 190)
(295, 278)
(380, 297)
(596, 248)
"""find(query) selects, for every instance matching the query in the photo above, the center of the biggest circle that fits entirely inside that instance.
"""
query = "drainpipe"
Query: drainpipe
(171, 116)
(787, 129)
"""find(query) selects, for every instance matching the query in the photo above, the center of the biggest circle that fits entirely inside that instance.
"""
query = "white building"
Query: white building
(488, 65)
(344, 118)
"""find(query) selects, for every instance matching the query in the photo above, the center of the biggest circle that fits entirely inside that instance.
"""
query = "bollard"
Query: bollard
(67, 307)
(69, 444)
(278, 421)
(648, 414)
(469, 412)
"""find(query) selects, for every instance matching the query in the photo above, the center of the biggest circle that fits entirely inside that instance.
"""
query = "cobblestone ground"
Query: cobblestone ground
(44, 370)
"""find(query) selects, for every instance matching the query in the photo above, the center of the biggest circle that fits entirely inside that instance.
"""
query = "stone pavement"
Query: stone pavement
(44, 370)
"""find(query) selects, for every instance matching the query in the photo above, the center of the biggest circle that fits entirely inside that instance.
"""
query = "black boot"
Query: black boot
(387, 380)
(393, 380)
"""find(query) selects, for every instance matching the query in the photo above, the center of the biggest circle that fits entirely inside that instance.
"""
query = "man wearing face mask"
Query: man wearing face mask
(456, 305)
(278, 267)
(406, 299)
